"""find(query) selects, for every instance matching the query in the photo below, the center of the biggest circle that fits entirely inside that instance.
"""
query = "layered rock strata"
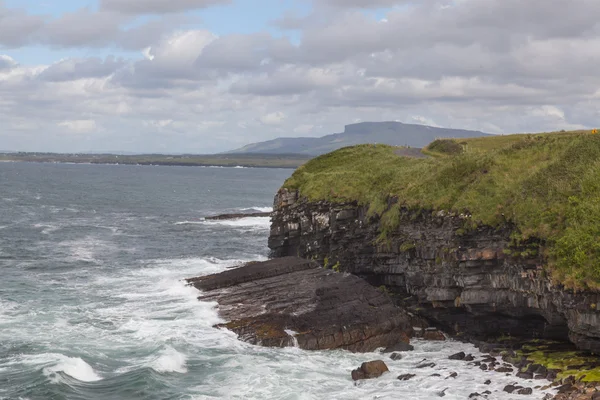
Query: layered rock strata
(462, 280)
(294, 302)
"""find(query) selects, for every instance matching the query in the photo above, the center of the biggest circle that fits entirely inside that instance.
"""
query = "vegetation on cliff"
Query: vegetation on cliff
(548, 185)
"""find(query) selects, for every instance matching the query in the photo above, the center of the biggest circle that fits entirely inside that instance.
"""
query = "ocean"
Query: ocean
(93, 302)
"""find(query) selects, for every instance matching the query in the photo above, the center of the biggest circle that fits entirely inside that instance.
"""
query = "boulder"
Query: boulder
(458, 356)
(370, 370)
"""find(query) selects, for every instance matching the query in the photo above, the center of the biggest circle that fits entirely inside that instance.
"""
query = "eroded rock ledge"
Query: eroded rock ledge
(463, 281)
(292, 301)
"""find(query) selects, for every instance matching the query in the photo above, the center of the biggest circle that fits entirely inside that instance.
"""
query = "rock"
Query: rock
(504, 369)
(401, 346)
(525, 375)
(473, 395)
(525, 391)
(435, 375)
(370, 370)
(452, 375)
(406, 377)
(510, 388)
(469, 358)
(426, 365)
(433, 335)
(264, 301)
(238, 216)
(483, 367)
(488, 382)
(441, 393)
(458, 356)
(396, 356)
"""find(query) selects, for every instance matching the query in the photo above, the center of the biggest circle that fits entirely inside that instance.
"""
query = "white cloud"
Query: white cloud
(79, 125)
(275, 118)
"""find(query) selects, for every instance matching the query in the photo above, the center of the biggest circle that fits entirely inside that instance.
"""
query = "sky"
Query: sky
(205, 76)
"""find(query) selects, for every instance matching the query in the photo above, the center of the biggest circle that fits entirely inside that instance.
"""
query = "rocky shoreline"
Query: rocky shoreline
(332, 283)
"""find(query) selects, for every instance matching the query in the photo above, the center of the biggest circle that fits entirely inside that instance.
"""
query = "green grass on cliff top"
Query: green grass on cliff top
(547, 184)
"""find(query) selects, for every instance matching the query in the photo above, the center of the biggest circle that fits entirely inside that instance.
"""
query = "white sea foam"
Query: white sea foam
(72, 366)
(249, 222)
(259, 209)
(47, 228)
(170, 360)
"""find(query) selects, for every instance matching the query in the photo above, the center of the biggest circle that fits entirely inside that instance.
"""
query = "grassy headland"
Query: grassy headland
(220, 160)
(548, 185)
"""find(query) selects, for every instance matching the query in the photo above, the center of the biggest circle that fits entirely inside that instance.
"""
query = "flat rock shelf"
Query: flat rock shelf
(292, 301)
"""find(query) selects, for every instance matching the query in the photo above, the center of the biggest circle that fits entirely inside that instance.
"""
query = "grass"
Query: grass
(547, 185)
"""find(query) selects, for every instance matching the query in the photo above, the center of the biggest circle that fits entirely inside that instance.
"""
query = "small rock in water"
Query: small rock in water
(405, 377)
(488, 382)
(504, 369)
(525, 391)
(525, 375)
(436, 375)
(511, 388)
(458, 356)
(396, 356)
(469, 358)
(401, 346)
(473, 395)
(370, 370)
(441, 393)
(483, 367)
(426, 365)
(452, 375)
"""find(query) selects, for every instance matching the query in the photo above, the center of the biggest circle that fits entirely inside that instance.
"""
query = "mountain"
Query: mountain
(389, 132)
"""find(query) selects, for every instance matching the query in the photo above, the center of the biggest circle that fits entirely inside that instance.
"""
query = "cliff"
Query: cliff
(442, 258)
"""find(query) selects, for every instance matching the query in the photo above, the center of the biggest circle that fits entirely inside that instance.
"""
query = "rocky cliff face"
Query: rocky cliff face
(462, 281)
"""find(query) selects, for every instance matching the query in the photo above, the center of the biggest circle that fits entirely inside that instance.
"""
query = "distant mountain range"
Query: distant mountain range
(391, 132)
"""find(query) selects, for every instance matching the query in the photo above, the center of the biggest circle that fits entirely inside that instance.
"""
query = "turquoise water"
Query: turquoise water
(93, 304)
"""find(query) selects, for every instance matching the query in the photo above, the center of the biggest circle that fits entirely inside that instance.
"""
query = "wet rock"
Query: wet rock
(452, 375)
(238, 216)
(458, 356)
(435, 375)
(483, 367)
(405, 377)
(370, 370)
(396, 356)
(441, 393)
(488, 382)
(433, 335)
(426, 365)
(474, 395)
(510, 388)
(400, 346)
(525, 391)
(264, 301)
(469, 357)
(504, 369)
(525, 375)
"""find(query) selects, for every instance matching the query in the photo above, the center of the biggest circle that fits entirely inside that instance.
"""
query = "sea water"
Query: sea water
(93, 303)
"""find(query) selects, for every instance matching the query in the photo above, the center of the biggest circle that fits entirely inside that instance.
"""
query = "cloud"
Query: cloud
(74, 69)
(157, 6)
(275, 118)
(79, 125)
(7, 62)
(499, 66)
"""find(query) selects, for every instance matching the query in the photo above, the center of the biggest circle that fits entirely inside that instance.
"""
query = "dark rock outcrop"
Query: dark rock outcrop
(237, 216)
(463, 281)
(291, 301)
